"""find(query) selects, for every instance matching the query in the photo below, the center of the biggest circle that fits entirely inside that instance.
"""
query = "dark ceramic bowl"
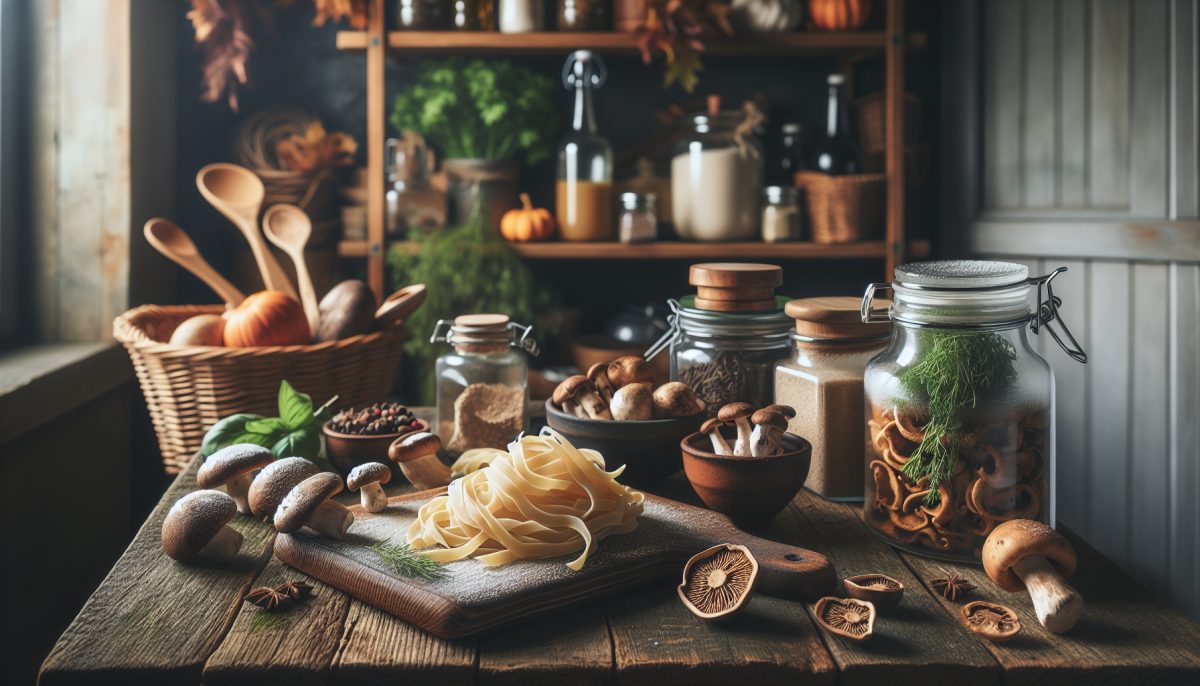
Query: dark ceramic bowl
(750, 490)
(649, 449)
(347, 451)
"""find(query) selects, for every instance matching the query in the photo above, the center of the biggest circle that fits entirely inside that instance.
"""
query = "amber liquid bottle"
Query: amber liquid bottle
(584, 190)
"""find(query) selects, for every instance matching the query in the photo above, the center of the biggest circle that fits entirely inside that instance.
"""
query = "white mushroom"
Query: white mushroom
(712, 428)
(577, 396)
(633, 402)
(738, 413)
(676, 399)
(769, 425)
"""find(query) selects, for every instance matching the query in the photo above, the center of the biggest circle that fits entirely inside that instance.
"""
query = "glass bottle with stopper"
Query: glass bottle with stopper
(584, 190)
(837, 152)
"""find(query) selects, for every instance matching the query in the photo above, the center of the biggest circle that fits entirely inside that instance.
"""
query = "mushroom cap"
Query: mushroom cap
(598, 375)
(368, 473)
(879, 589)
(414, 445)
(846, 617)
(274, 482)
(990, 620)
(785, 410)
(193, 521)
(628, 369)
(569, 388)
(769, 417)
(1017, 539)
(231, 462)
(711, 425)
(302, 501)
(718, 581)
(734, 411)
(676, 399)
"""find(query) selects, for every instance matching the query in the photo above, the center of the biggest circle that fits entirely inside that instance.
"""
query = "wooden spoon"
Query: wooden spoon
(174, 243)
(400, 304)
(288, 228)
(238, 194)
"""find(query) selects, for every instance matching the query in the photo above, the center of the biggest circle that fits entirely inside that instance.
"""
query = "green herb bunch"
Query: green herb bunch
(407, 562)
(296, 432)
(492, 110)
(951, 376)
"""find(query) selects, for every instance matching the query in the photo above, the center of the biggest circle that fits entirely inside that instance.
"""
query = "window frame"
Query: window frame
(11, 202)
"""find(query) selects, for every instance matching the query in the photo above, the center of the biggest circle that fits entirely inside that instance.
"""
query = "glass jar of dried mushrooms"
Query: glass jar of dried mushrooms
(960, 406)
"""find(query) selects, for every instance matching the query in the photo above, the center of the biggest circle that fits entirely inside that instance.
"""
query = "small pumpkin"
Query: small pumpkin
(839, 15)
(527, 223)
(266, 318)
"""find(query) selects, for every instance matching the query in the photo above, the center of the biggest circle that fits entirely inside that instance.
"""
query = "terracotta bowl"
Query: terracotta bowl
(347, 451)
(649, 449)
(750, 490)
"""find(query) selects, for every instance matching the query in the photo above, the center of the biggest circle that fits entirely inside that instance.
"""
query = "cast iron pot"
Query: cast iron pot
(649, 449)
(347, 451)
(750, 490)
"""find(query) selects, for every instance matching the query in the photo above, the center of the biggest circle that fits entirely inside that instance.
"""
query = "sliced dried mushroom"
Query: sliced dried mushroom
(992, 621)
(881, 590)
(718, 581)
(846, 617)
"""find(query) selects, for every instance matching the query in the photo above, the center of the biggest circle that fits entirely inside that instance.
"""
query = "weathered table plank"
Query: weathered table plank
(377, 647)
(573, 648)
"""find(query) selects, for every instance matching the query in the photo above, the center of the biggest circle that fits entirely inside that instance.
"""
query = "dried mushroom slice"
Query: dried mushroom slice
(846, 617)
(992, 621)
(717, 582)
(882, 591)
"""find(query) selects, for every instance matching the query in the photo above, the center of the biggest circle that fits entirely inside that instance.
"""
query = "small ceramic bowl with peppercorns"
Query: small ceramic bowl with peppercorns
(357, 435)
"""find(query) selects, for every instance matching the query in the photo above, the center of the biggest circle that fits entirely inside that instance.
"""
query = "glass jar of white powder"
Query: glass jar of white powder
(716, 177)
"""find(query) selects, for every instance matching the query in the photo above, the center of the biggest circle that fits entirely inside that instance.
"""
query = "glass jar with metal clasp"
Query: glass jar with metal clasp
(482, 382)
(960, 408)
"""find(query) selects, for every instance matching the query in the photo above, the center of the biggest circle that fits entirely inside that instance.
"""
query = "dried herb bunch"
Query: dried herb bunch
(676, 28)
(403, 560)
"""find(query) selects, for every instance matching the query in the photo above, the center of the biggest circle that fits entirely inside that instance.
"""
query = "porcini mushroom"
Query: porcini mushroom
(233, 467)
(274, 482)
(712, 428)
(769, 425)
(368, 479)
(738, 413)
(633, 402)
(577, 396)
(309, 504)
(196, 526)
(785, 410)
(718, 581)
(846, 617)
(992, 621)
(880, 590)
(628, 369)
(1023, 554)
(598, 375)
(417, 455)
(676, 399)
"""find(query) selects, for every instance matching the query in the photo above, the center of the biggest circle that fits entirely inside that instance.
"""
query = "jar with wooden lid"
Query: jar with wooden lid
(482, 382)
(823, 381)
(724, 341)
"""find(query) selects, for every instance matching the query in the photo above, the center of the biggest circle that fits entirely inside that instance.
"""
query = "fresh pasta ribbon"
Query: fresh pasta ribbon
(542, 498)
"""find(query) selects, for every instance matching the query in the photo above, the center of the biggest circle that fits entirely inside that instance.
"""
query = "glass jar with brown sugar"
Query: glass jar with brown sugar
(823, 381)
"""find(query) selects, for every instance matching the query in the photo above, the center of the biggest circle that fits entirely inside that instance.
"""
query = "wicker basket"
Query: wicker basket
(188, 388)
(844, 209)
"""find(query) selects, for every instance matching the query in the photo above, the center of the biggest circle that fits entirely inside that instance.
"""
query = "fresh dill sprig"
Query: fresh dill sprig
(955, 370)
(408, 562)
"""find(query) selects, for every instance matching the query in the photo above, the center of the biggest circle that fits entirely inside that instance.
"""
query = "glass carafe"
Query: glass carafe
(584, 190)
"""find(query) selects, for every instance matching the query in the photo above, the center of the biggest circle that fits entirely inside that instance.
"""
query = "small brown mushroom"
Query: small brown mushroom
(846, 617)
(738, 413)
(1024, 554)
(785, 410)
(417, 455)
(676, 399)
(598, 375)
(195, 527)
(233, 467)
(368, 479)
(628, 369)
(769, 425)
(718, 582)
(881, 591)
(577, 396)
(712, 429)
(274, 482)
(309, 504)
(633, 402)
(992, 621)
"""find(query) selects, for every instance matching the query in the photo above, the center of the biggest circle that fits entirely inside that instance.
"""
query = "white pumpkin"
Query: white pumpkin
(767, 16)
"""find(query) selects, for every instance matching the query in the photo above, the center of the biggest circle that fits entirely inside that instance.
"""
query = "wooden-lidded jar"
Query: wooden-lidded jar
(735, 287)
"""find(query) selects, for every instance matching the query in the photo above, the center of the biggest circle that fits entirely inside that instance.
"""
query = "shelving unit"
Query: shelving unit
(847, 47)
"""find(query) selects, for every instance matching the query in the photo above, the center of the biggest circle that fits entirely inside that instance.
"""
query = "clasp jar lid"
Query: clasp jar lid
(483, 333)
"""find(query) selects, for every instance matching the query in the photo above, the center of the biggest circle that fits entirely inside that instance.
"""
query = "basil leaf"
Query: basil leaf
(295, 408)
(301, 443)
(271, 426)
(226, 432)
(263, 440)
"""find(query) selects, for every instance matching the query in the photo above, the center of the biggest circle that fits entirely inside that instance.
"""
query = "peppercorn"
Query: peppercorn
(374, 420)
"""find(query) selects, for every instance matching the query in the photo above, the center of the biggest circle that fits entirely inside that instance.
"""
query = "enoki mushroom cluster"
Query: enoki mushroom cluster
(542, 498)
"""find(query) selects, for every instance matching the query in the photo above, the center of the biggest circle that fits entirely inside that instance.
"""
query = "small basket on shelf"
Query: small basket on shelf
(843, 209)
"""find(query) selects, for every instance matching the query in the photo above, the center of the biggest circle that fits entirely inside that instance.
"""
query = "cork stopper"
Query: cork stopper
(834, 318)
(735, 287)
(481, 333)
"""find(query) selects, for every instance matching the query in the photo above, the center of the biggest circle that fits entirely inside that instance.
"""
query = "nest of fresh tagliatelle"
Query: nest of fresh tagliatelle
(541, 498)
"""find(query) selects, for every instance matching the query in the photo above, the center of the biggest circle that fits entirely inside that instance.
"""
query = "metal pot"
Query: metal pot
(490, 183)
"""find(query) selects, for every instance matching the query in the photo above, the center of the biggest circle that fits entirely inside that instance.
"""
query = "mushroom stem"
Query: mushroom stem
(1056, 603)
(720, 446)
(224, 545)
(764, 441)
(741, 446)
(594, 405)
(572, 408)
(372, 497)
(330, 519)
(238, 488)
(427, 471)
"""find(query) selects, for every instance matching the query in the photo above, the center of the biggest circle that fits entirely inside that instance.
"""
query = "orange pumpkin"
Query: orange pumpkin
(527, 223)
(266, 318)
(839, 15)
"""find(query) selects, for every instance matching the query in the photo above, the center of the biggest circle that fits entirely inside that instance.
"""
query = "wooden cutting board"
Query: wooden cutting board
(474, 599)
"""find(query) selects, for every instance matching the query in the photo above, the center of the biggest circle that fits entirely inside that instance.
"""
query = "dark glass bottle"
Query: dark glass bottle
(837, 152)
(791, 157)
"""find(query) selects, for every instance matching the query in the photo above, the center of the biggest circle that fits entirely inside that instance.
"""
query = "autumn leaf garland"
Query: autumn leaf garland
(676, 28)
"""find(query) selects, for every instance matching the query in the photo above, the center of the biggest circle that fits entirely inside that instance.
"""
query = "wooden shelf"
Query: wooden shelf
(679, 250)
(561, 42)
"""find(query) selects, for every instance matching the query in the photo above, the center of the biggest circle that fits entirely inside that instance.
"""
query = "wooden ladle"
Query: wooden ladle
(288, 228)
(177, 246)
(400, 304)
(238, 194)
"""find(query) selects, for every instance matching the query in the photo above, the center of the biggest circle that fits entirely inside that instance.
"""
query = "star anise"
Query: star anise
(294, 590)
(269, 599)
(952, 585)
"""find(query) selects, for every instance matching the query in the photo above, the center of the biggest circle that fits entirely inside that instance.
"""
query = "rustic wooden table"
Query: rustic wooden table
(155, 621)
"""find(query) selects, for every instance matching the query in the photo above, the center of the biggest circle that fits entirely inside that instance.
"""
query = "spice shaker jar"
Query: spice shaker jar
(725, 340)
(823, 381)
(960, 408)
(482, 382)
(637, 222)
(780, 215)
